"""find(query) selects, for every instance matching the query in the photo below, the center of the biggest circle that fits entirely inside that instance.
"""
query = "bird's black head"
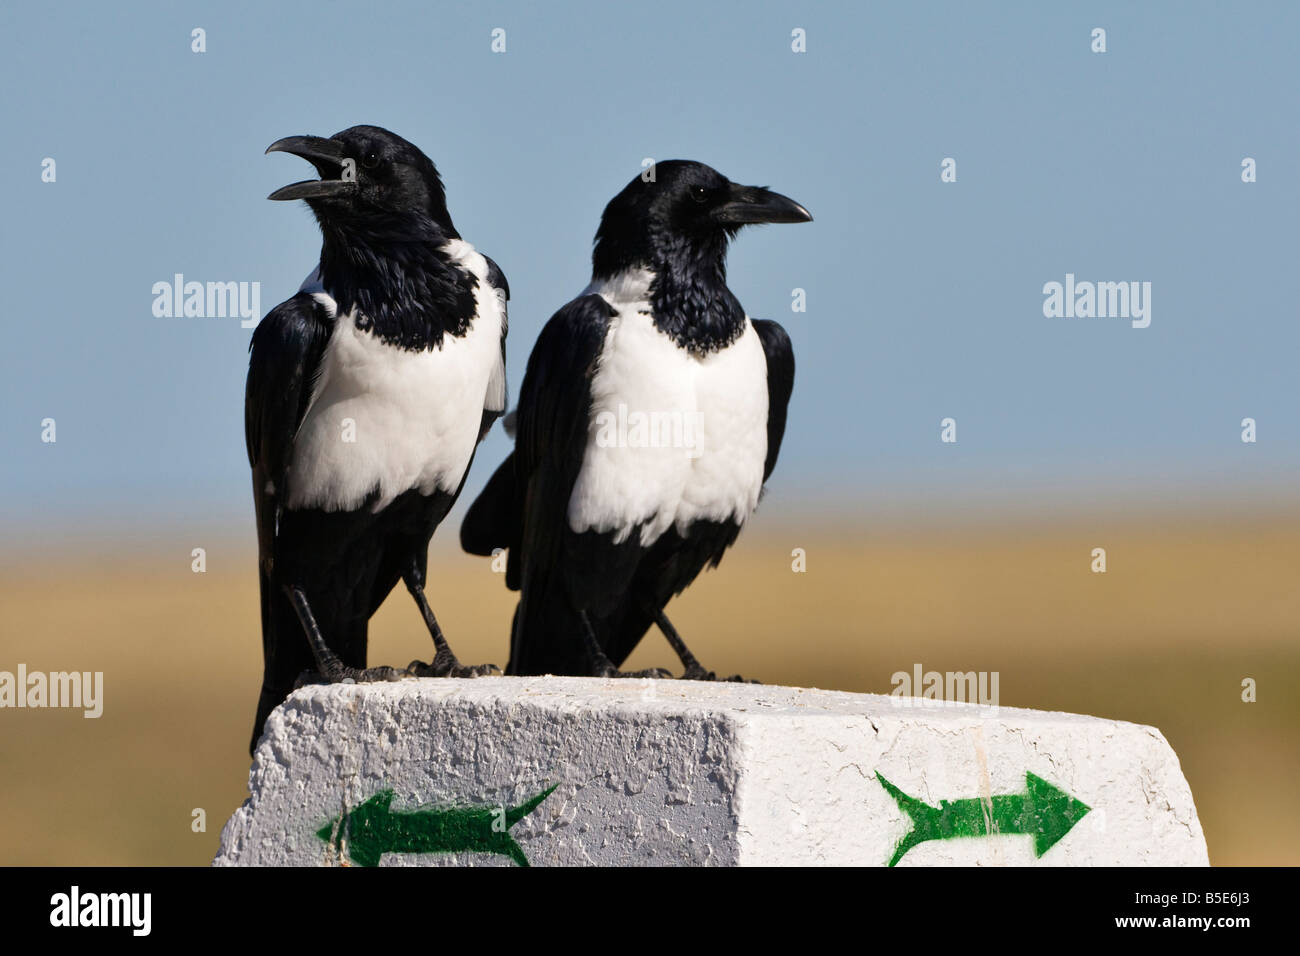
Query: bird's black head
(384, 221)
(679, 214)
(675, 220)
(373, 184)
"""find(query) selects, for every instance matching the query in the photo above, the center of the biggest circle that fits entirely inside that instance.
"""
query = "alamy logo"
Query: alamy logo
(211, 300)
(79, 689)
(922, 688)
(103, 909)
(637, 429)
(1102, 300)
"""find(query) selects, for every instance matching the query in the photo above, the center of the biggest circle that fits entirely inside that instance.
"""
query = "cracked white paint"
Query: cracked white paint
(694, 773)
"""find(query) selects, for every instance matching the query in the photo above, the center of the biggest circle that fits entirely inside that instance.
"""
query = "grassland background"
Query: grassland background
(1190, 605)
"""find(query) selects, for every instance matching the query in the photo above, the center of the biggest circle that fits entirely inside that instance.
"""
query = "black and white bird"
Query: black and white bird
(368, 393)
(651, 414)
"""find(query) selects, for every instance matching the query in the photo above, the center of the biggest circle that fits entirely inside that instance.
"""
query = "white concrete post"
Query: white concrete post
(571, 771)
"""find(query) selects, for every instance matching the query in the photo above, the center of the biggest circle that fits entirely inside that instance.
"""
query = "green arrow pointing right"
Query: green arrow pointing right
(1043, 811)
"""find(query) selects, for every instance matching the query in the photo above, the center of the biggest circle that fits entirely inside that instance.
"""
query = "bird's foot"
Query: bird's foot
(697, 672)
(599, 664)
(339, 673)
(445, 664)
(650, 673)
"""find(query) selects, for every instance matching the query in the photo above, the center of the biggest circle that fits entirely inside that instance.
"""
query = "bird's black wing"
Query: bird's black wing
(495, 405)
(780, 383)
(285, 357)
(497, 278)
(524, 506)
(555, 400)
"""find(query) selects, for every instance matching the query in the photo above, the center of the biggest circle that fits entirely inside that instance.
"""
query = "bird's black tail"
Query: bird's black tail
(547, 634)
(588, 580)
(285, 653)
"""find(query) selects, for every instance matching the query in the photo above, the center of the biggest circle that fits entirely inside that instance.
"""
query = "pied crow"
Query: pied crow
(650, 416)
(368, 393)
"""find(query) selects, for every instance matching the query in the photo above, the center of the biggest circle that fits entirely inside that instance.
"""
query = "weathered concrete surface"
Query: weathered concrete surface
(676, 772)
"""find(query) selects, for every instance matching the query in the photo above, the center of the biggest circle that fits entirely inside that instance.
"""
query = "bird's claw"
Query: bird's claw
(697, 672)
(650, 673)
(340, 673)
(446, 665)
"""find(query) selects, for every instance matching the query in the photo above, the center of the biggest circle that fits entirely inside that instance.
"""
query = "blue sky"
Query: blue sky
(924, 299)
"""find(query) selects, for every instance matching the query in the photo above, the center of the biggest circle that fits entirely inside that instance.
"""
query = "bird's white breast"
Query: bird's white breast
(394, 419)
(701, 451)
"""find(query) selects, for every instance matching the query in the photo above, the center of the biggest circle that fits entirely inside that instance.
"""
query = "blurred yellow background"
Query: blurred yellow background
(1188, 608)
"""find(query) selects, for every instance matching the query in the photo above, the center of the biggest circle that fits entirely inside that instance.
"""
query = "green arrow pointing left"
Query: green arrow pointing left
(372, 829)
(1043, 811)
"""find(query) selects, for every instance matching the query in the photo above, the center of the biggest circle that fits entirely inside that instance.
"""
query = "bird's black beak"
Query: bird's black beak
(326, 155)
(753, 204)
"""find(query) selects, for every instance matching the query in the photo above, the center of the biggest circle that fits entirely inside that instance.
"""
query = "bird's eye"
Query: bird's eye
(370, 161)
(699, 193)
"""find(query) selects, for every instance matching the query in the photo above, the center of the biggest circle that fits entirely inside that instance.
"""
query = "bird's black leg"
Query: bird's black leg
(694, 670)
(444, 662)
(328, 664)
(601, 665)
